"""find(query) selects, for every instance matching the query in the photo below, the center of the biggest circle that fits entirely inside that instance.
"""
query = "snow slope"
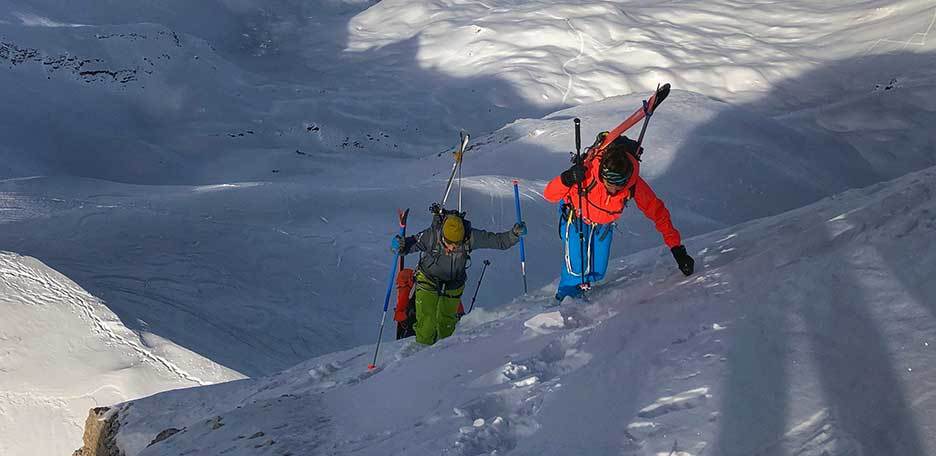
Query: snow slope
(260, 275)
(224, 175)
(809, 332)
(281, 126)
(64, 352)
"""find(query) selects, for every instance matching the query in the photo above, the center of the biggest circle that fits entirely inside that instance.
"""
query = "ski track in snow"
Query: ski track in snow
(910, 41)
(56, 292)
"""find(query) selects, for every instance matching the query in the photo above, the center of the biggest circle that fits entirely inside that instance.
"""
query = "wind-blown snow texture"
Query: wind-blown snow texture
(224, 176)
(810, 332)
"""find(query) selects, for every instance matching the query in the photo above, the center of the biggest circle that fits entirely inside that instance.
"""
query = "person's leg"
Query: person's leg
(426, 309)
(601, 252)
(569, 281)
(448, 315)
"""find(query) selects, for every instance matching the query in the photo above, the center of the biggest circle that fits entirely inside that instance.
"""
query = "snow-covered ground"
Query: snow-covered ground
(63, 352)
(223, 176)
(811, 332)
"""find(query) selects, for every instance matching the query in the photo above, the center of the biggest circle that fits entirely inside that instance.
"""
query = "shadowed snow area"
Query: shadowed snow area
(221, 178)
(809, 332)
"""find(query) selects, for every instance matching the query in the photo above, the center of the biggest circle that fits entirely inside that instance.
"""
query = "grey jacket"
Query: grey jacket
(450, 269)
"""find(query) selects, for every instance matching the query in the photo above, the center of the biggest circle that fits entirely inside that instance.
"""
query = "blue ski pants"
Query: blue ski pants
(597, 253)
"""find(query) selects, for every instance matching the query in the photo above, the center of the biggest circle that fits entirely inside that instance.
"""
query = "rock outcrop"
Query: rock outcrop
(100, 433)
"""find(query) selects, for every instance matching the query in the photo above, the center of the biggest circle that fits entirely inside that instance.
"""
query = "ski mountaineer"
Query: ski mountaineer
(445, 249)
(608, 178)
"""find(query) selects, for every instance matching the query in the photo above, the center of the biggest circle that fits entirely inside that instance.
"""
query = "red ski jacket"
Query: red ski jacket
(603, 208)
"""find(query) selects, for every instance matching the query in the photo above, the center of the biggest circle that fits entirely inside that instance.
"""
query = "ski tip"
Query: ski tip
(403, 216)
(661, 95)
(516, 182)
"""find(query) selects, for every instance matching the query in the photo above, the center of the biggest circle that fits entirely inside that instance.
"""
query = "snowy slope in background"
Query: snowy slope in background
(167, 92)
(810, 332)
(64, 352)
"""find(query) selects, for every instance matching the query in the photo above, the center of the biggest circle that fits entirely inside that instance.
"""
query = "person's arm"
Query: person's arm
(654, 209)
(555, 190)
(481, 239)
(418, 242)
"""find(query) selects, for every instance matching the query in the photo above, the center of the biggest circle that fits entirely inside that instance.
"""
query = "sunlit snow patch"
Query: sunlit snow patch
(686, 400)
(32, 20)
(220, 187)
(545, 323)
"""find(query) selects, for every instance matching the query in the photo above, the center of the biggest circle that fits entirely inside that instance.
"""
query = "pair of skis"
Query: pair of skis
(456, 167)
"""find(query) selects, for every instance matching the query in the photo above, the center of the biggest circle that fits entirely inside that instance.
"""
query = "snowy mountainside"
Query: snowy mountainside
(245, 273)
(573, 53)
(229, 91)
(810, 332)
(224, 174)
(64, 352)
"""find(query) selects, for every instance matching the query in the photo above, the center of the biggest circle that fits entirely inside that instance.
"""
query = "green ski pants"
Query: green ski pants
(435, 314)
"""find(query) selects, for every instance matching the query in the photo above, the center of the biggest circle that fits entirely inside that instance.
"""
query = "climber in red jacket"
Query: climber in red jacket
(607, 178)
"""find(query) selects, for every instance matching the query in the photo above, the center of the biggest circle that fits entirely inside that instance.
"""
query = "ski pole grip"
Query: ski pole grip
(578, 134)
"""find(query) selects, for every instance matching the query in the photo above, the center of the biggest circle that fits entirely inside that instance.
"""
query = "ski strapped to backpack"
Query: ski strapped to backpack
(405, 282)
(642, 113)
(456, 167)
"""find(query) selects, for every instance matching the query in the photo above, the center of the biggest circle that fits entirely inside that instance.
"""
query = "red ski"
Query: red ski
(647, 109)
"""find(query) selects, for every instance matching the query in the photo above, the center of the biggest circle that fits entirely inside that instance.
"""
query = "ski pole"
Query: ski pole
(581, 215)
(486, 264)
(373, 365)
(648, 111)
(516, 186)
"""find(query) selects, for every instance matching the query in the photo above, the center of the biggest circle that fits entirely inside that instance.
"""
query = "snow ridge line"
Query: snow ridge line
(79, 301)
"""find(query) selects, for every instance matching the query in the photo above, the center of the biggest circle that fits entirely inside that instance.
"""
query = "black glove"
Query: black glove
(573, 175)
(685, 262)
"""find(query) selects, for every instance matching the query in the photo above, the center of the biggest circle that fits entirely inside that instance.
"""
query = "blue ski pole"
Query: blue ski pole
(403, 215)
(519, 220)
